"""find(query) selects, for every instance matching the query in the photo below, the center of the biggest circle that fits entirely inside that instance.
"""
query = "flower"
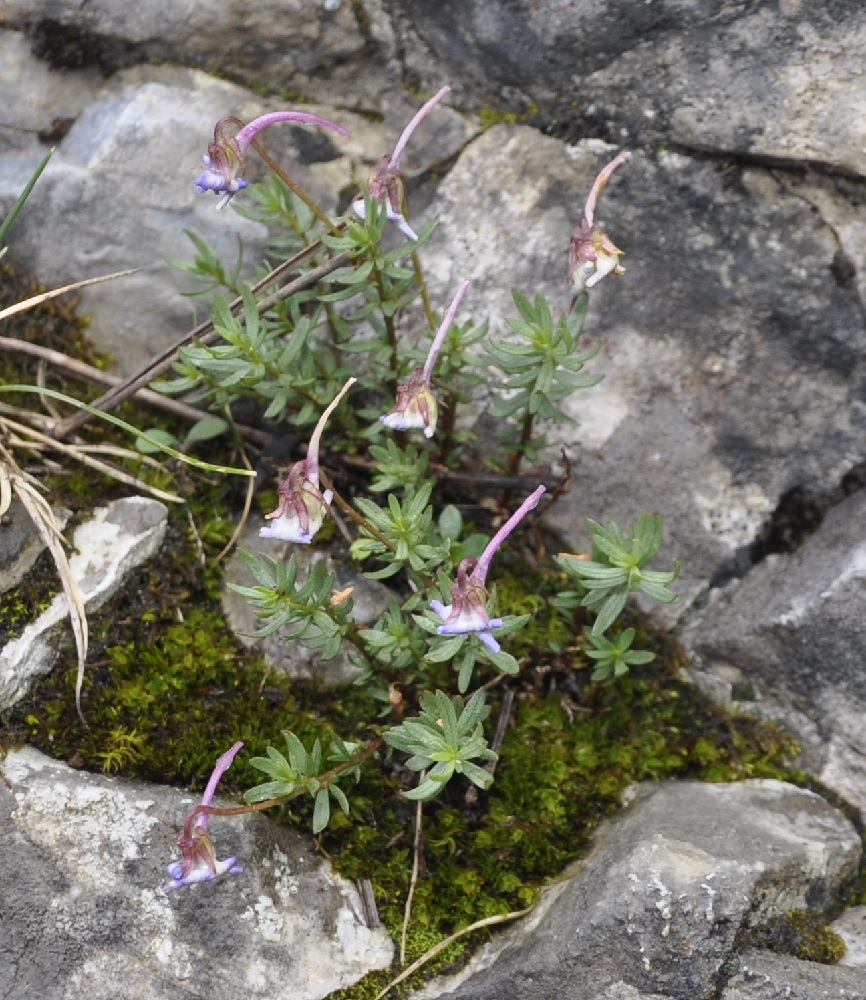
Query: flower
(467, 611)
(303, 506)
(592, 254)
(226, 155)
(416, 407)
(199, 861)
(385, 183)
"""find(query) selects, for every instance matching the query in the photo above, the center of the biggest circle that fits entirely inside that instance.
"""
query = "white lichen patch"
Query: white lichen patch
(94, 824)
(731, 512)
(266, 918)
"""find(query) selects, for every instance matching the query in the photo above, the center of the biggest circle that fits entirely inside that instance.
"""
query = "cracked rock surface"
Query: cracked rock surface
(658, 906)
(84, 916)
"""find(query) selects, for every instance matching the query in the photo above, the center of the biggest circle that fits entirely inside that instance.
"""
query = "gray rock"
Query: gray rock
(84, 914)
(115, 540)
(761, 975)
(20, 544)
(795, 628)
(118, 193)
(33, 97)
(285, 655)
(851, 927)
(781, 80)
(732, 357)
(277, 43)
(659, 904)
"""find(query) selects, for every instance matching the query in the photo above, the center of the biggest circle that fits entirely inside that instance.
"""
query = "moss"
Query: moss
(21, 605)
(802, 934)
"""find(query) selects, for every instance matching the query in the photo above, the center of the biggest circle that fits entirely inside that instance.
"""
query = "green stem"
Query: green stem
(335, 228)
(515, 458)
(350, 512)
(422, 285)
(390, 332)
(324, 780)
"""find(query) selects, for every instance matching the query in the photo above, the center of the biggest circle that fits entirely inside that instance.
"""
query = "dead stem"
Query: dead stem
(416, 865)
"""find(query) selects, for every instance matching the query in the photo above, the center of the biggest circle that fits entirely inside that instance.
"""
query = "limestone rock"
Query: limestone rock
(779, 79)
(277, 43)
(658, 906)
(20, 544)
(851, 927)
(795, 628)
(732, 356)
(761, 975)
(119, 193)
(84, 913)
(115, 540)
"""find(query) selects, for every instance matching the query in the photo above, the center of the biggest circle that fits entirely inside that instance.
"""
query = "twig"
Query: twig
(368, 901)
(44, 441)
(416, 864)
(434, 951)
(206, 333)
(350, 512)
(88, 373)
(473, 481)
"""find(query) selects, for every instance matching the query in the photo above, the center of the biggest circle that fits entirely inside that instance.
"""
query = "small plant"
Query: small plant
(343, 327)
(331, 343)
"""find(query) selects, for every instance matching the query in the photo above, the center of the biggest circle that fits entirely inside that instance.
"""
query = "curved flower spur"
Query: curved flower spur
(225, 158)
(385, 183)
(416, 407)
(467, 611)
(303, 506)
(592, 254)
(199, 862)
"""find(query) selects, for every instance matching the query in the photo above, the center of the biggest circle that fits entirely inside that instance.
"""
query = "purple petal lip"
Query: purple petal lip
(489, 641)
(213, 180)
(465, 624)
(201, 873)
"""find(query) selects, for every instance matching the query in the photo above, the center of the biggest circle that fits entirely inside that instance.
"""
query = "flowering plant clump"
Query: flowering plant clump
(344, 322)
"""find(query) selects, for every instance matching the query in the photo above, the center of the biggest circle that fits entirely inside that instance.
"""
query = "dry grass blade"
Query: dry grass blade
(5, 489)
(434, 951)
(41, 441)
(36, 300)
(416, 867)
(43, 518)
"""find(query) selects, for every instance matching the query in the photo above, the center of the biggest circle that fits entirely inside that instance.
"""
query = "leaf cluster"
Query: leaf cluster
(302, 772)
(443, 740)
(618, 568)
(306, 610)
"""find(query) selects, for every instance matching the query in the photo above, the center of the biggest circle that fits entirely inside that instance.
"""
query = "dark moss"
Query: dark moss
(802, 934)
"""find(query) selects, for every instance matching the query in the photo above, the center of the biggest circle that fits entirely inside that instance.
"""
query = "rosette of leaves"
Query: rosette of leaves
(617, 568)
(306, 609)
(613, 657)
(444, 740)
(412, 541)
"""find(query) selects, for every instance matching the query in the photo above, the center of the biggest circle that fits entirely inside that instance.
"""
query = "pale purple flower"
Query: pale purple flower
(467, 611)
(592, 254)
(385, 184)
(199, 861)
(303, 506)
(416, 407)
(226, 155)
